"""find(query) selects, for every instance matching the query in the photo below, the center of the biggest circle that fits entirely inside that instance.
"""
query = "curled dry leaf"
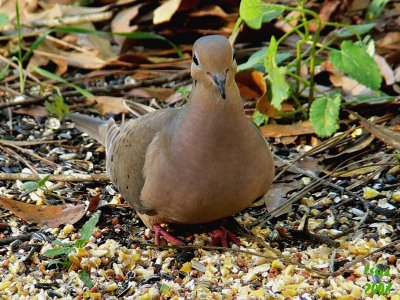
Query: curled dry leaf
(108, 104)
(276, 130)
(51, 216)
(251, 84)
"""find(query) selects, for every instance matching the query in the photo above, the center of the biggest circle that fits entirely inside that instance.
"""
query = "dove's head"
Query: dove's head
(214, 63)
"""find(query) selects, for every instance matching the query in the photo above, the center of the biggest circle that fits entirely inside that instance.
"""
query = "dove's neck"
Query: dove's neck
(210, 120)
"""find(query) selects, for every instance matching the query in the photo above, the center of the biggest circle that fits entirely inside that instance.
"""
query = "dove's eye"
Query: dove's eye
(195, 59)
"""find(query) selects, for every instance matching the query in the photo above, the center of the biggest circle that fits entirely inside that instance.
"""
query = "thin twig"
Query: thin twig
(20, 158)
(52, 177)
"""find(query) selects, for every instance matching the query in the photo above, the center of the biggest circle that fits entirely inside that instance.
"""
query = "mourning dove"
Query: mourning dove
(195, 164)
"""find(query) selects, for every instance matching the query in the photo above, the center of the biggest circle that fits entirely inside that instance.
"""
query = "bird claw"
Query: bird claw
(159, 231)
(222, 237)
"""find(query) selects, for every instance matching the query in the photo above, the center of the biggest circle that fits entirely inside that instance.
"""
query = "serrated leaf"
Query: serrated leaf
(85, 277)
(279, 88)
(56, 262)
(354, 29)
(255, 12)
(58, 251)
(355, 61)
(30, 186)
(324, 115)
(87, 230)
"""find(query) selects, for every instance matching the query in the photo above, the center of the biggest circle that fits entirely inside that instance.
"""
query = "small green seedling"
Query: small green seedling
(61, 250)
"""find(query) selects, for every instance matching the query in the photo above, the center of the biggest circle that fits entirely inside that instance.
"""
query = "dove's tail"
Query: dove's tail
(94, 127)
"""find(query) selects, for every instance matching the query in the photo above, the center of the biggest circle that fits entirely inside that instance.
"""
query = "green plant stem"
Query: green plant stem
(298, 78)
(299, 44)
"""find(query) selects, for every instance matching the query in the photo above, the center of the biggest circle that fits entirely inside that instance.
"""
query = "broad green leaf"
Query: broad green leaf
(354, 60)
(87, 230)
(3, 19)
(3, 71)
(30, 186)
(279, 88)
(354, 29)
(85, 277)
(255, 12)
(140, 35)
(256, 60)
(58, 251)
(53, 76)
(259, 118)
(324, 115)
(375, 9)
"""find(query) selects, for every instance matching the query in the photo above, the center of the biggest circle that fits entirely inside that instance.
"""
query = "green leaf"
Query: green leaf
(59, 243)
(35, 44)
(30, 186)
(375, 9)
(43, 181)
(3, 71)
(164, 288)
(397, 156)
(354, 29)
(85, 277)
(324, 115)
(58, 251)
(354, 60)
(57, 106)
(256, 60)
(56, 262)
(279, 88)
(255, 12)
(87, 230)
(53, 76)
(140, 35)
(259, 118)
(3, 19)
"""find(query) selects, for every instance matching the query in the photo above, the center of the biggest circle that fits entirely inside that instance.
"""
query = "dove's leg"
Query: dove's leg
(222, 237)
(167, 236)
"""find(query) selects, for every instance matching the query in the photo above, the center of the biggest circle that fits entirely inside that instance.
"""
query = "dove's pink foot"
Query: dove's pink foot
(222, 237)
(167, 236)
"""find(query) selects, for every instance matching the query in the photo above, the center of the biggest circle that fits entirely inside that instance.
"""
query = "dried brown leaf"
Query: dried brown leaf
(276, 130)
(385, 69)
(32, 111)
(382, 133)
(108, 104)
(51, 216)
